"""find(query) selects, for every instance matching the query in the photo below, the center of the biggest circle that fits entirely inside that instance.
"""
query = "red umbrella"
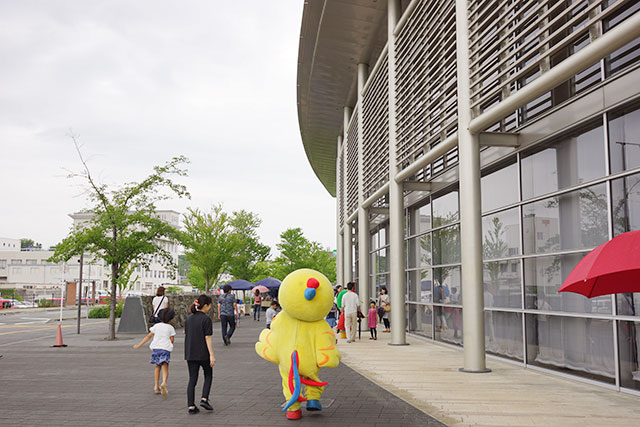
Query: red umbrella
(611, 268)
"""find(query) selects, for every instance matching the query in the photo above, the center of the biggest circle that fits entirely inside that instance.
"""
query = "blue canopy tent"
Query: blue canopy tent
(240, 285)
(269, 282)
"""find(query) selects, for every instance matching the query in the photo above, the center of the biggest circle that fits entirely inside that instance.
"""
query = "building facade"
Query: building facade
(477, 151)
(30, 269)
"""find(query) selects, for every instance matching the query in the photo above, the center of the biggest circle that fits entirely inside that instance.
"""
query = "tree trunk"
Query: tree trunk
(112, 303)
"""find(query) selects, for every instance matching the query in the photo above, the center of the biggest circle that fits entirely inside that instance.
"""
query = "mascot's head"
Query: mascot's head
(306, 295)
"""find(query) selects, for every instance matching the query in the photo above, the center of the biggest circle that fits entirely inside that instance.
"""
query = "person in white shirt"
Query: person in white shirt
(163, 335)
(160, 301)
(350, 306)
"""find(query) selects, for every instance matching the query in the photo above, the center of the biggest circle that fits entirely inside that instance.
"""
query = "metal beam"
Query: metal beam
(498, 139)
(612, 40)
(417, 186)
(363, 215)
(439, 150)
(376, 195)
(379, 211)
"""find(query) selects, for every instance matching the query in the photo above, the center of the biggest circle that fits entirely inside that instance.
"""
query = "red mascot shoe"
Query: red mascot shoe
(294, 415)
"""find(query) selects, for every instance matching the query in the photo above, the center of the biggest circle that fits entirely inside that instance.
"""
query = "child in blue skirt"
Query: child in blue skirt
(163, 335)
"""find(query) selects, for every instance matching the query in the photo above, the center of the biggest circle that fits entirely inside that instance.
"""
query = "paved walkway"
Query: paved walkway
(427, 375)
(100, 383)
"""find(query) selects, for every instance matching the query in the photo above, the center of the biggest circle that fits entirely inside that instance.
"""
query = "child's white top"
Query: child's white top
(162, 333)
(270, 314)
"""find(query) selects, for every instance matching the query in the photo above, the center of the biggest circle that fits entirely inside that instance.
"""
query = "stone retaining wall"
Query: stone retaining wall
(180, 304)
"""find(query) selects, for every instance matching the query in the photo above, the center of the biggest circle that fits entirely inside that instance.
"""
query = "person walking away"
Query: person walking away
(271, 313)
(385, 303)
(159, 302)
(227, 314)
(257, 305)
(161, 347)
(332, 316)
(351, 305)
(372, 321)
(198, 352)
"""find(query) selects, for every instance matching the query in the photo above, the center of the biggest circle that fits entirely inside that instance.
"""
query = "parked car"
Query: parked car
(24, 304)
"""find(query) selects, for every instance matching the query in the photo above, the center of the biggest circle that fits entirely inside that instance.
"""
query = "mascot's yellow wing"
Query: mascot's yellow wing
(265, 346)
(327, 355)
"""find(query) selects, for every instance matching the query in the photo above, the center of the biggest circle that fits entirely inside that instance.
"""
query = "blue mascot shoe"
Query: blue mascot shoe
(314, 405)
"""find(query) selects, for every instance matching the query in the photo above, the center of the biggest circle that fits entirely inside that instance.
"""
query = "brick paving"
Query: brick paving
(98, 383)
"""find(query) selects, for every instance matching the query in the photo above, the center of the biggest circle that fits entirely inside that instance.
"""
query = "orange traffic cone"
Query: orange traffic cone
(59, 338)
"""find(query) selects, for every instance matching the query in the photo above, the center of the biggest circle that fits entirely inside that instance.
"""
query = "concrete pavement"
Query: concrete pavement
(107, 383)
(426, 374)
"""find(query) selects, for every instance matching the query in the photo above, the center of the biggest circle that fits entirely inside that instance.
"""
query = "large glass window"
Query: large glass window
(629, 350)
(420, 251)
(571, 160)
(503, 334)
(624, 138)
(505, 181)
(501, 235)
(502, 286)
(445, 209)
(420, 319)
(446, 245)
(543, 276)
(448, 324)
(575, 220)
(579, 345)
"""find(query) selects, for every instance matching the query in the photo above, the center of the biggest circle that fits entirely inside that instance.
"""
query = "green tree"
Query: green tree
(248, 252)
(494, 246)
(124, 228)
(29, 244)
(296, 251)
(207, 238)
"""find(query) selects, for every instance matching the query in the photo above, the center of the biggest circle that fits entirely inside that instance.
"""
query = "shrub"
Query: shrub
(48, 303)
(102, 312)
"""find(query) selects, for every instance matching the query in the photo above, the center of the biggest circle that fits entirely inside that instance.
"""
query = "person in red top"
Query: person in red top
(257, 305)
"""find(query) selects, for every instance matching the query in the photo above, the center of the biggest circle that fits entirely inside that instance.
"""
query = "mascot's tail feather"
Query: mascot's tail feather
(295, 382)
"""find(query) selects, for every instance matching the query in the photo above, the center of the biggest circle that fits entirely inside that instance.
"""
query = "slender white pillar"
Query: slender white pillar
(470, 211)
(396, 199)
(347, 238)
(339, 268)
(363, 216)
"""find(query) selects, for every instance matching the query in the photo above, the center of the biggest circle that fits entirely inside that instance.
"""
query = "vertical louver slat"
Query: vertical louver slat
(352, 164)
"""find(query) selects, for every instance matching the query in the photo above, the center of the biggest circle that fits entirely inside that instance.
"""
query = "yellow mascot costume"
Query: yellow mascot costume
(300, 341)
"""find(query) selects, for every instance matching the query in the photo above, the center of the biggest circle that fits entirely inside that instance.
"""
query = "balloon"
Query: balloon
(339, 298)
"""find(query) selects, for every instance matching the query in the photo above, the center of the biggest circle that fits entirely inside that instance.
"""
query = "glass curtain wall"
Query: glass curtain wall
(543, 210)
(378, 265)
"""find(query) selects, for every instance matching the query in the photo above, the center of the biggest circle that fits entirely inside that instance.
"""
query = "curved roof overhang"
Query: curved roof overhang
(334, 38)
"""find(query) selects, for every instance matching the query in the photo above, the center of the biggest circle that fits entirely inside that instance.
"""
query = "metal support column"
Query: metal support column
(470, 210)
(347, 237)
(396, 199)
(363, 215)
(339, 269)
(347, 246)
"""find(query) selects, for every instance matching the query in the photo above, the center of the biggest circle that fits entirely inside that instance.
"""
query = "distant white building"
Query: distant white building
(7, 244)
(30, 269)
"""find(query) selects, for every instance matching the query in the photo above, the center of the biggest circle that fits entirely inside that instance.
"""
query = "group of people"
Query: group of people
(351, 311)
(198, 329)
(257, 309)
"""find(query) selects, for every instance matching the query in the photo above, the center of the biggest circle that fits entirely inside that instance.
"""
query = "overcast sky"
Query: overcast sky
(140, 82)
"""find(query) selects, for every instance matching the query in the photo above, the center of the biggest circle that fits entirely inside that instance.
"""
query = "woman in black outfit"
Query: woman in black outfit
(198, 351)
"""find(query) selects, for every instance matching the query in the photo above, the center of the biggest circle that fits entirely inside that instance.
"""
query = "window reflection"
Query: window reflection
(501, 235)
(543, 276)
(624, 139)
(574, 220)
(582, 346)
(629, 350)
(506, 181)
(420, 320)
(574, 159)
(446, 245)
(502, 284)
(503, 334)
(445, 209)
